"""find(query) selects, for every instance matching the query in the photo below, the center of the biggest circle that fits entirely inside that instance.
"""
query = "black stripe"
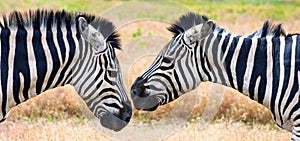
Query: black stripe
(101, 70)
(72, 47)
(190, 72)
(91, 84)
(81, 66)
(287, 67)
(225, 43)
(105, 90)
(167, 68)
(259, 70)
(168, 96)
(21, 65)
(215, 49)
(276, 72)
(41, 62)
(196, 60)
(89, 75)
(295, 87)
(92, 103)
(114, 105)
(181, 71)
(202, 59)
(170, 82)
(92, 64)
(241, 63)
(5, 33)
(228, 60)
(61, 43)
(178, 81)
(54, 57)
(68, 78)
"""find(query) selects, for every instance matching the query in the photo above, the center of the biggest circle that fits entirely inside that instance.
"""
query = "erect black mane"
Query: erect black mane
(187, 21)
(272, 29)
(48, 19)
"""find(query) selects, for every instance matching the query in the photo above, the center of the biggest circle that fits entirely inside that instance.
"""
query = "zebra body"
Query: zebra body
(264, 66)
(42, 49)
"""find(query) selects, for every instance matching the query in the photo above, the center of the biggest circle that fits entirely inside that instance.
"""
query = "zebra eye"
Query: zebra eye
(167, 59)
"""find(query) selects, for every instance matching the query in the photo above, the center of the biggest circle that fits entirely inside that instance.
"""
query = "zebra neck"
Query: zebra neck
(241, 62)
(83, 72)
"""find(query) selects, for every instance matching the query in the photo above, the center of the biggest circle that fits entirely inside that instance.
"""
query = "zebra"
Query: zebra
(44, 49)
(263, 66)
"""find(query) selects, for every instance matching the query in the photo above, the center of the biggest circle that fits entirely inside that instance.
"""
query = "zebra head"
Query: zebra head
(103, 88)
(174, 71)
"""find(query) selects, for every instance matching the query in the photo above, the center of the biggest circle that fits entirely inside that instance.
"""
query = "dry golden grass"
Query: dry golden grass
(72, 129)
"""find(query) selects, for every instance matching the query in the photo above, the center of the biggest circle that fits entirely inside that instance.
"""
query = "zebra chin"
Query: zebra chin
(113, 122)
(118, 121)
(149, 103)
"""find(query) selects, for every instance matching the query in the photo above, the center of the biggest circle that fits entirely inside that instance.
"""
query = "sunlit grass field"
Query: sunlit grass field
(55, 114)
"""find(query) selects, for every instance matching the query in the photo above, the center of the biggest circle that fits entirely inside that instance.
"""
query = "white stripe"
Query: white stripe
(54, 32)
(67, 49)
(249, 66)
(257, 82)
(205, 62)
(291, 80)
(269, 75)
(11, 58)
(212, 63)
(83, 72)
(227, 48)
(219, 56)
(233, 63)
(32, 64)
(67, 45)
(281, 79)
(294, 101)
(48, 57)
(76, 55)
(201, 54)
(21, 94)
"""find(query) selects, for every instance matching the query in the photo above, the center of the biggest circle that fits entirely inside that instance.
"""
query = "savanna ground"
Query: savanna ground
(55, 114)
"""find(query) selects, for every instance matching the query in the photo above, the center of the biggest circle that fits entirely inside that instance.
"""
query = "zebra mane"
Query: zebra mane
(270, 29)
(48, 19)
(187, 21)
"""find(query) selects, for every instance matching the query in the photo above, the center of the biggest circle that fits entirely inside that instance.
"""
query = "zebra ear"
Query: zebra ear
(207, 28)
(83, 26)
(200, 31)
(91, 35)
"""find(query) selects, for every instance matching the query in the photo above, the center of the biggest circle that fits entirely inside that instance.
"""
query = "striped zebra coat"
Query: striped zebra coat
(44, 49)
(264, 65)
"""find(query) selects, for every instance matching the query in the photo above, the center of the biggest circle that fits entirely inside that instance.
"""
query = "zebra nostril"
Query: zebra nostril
(138, 87)
(127, 119)
(133, 91)
(126, 112)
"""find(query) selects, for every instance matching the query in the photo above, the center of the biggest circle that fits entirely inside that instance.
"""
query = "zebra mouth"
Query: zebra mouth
(112, 122)
(117, 122)
(149, 103)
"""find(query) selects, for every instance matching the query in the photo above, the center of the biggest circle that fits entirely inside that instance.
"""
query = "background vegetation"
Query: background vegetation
(58, 108)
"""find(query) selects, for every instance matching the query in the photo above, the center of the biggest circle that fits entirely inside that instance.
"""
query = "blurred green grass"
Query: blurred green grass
(215, 9)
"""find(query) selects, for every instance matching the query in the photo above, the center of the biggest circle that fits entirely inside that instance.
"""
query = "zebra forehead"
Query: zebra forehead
(49, 18)
(187, 21)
